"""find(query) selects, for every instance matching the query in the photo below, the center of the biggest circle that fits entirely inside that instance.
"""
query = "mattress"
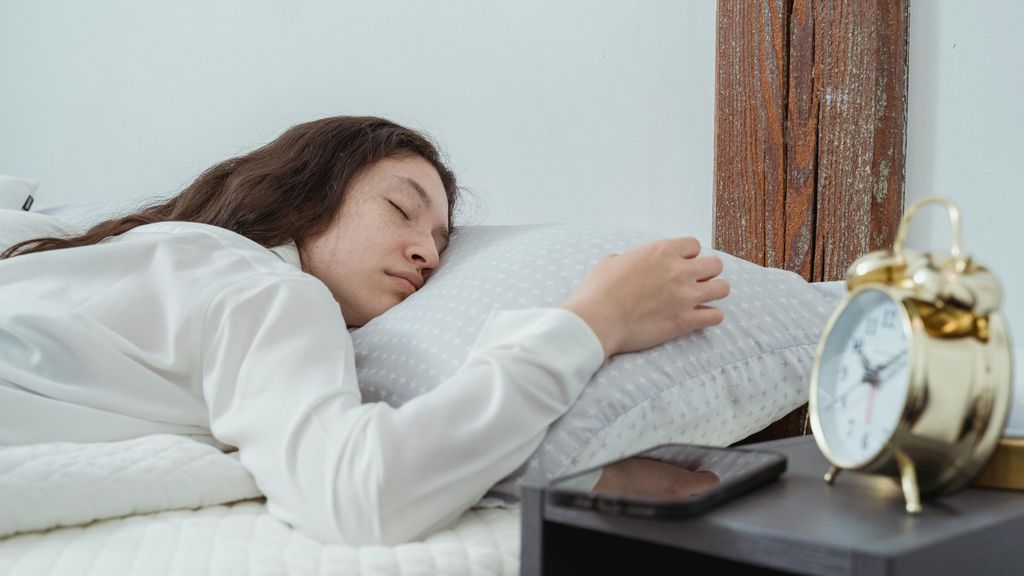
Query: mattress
(243, 539)
(170, 505)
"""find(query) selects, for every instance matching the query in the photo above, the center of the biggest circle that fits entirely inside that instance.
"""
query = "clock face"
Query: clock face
(864, 377)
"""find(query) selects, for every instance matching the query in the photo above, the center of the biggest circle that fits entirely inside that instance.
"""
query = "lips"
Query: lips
(412, 281)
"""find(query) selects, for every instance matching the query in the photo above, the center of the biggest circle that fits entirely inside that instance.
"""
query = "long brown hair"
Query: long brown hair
(288, 190)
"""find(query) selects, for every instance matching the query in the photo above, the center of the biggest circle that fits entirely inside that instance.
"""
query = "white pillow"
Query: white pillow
(18, 226)
(87, 214)
(712, 387)
(17, 193)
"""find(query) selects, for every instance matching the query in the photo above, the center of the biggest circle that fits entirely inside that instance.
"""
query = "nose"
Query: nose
(423, 252)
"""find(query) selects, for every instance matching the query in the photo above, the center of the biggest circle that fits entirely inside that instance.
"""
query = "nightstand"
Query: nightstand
(797, 525)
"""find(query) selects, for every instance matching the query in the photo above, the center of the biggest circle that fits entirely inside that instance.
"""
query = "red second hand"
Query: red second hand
(871, 401)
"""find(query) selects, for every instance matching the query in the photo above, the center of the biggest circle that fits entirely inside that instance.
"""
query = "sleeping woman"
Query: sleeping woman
(222, 314)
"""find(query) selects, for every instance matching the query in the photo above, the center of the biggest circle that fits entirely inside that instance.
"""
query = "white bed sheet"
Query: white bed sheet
(242, 538)
(169, 505)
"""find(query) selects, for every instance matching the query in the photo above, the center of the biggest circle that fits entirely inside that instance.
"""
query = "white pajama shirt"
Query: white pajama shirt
(191, 329)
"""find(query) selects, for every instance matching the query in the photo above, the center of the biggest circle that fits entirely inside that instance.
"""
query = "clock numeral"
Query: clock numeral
(865, 440)
(889, 318)
(858, 343)
(843, 373)
(872, 326)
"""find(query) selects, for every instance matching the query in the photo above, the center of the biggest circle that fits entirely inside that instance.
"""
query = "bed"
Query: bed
(171, 504)
(789, 217)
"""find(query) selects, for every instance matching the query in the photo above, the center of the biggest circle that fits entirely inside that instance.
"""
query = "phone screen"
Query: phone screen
(670, 480)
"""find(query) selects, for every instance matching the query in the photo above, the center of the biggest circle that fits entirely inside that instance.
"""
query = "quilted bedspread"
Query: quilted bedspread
(170, 505)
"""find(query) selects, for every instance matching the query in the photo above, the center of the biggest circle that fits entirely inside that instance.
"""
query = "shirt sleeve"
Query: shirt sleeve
(280, 383)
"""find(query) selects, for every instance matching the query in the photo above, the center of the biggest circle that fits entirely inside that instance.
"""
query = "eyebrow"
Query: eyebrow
(445, 234)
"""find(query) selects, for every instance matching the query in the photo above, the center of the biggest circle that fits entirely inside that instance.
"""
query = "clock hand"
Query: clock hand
(842, 396)
(891, 361)
(864, 359)
(871, 378)
(871, 401)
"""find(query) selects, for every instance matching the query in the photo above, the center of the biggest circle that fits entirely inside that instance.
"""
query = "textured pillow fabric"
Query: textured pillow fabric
(18, 226)
(86, 214)
(713, 387)
(17, 193)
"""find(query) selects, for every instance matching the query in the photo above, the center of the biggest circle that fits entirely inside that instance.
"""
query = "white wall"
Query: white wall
(596, 111)
(966, 134)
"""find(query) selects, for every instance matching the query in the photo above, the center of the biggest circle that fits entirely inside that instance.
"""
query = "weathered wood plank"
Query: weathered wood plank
(801, 141)
(830, 77)
(749, 129)
(860, 64)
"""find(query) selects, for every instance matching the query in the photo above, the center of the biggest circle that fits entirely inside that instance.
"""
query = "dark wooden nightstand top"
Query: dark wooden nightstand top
(802, 525)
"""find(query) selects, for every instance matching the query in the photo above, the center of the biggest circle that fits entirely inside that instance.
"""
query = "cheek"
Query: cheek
(362, 242)
(330, 261)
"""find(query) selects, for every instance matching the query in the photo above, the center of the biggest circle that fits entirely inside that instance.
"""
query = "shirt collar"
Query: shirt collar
(289, 253)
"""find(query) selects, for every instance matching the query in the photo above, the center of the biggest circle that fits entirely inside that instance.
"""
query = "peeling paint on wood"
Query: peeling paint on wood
(861, 137)
(801, 142)
(810, 131)
(750, 78)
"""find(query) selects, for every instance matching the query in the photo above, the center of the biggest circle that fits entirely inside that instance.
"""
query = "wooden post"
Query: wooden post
(810, 131)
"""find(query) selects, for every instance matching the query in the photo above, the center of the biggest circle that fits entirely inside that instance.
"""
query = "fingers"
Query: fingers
(716, 289)
(687, 247)
(704, 316)
(707, 267)
(704, 267)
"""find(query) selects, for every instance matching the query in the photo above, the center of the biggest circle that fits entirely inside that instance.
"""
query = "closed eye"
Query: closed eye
(397, 207)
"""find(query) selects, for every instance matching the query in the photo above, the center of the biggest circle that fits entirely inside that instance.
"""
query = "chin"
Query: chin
(356, 318)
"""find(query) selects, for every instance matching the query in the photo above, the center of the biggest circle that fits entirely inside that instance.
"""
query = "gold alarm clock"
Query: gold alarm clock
(912, 374)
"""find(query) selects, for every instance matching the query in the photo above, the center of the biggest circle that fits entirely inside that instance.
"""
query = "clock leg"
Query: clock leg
(908, 478)
(830, 476)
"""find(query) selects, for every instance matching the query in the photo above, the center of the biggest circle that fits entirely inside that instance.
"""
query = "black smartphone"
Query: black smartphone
(672, 480)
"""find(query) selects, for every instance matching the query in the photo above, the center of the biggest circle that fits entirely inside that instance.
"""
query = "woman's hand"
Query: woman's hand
(650, 294)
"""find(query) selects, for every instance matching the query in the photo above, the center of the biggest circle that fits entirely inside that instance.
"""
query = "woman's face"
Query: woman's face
(393, 222)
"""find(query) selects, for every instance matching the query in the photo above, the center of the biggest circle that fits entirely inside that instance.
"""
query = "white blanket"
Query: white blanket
(48, 485)
(156, 505)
